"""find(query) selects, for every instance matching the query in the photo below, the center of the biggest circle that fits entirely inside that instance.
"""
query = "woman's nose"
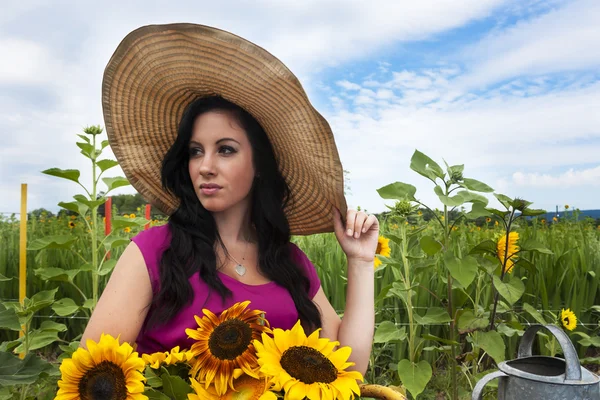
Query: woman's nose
(207, 165)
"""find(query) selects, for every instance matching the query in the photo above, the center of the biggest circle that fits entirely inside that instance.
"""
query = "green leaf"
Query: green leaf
(590, 341)
(175, 387)
(501, 214)
(71, 206)
(65, 306)
(153, 394)
(487, 246)
(504, 200)
(511, 290)
(440, 340)
(478, 210)
(53, 242)
(463, 270)
(113, 183)
(425, 166)
(470, 197)
(533, 245)
(14, 371)
(86, 149)
(70, 174)
(9, 319)
(91, 204)
(491, 342)
(37, 340)
(104, 143)
(387, 331)
(430, 246)
(434, 315)
(5, 394)
(106, 164)
(532, 213)
(112, 242)
(87, 140)
(398, 191)
(56, 274)
(41, 300)
(4, 278)
(53, 326)
(473, 184)
(414, 376)
(107, 267)
(469, 322)
(507, 330)
(152, 379)
(534, 313)
(453, 201)
(122, 222)
(89, 303)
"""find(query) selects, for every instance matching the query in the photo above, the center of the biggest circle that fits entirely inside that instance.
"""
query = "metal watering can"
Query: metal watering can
(540, 377)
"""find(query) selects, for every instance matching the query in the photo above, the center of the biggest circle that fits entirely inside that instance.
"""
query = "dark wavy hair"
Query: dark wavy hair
(194, 231)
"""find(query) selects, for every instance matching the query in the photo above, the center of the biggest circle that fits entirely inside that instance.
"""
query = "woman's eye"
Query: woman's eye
(227, 149)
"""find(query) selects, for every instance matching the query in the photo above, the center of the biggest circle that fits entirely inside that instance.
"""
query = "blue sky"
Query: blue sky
(510, 88)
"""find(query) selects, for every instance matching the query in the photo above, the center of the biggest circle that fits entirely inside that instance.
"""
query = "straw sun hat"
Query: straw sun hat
(157, 70)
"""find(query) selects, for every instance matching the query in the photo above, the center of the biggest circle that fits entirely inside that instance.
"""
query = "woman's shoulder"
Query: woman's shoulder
(156, 236)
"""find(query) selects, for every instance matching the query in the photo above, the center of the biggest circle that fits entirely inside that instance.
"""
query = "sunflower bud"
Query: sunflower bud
(456, 176)
(520, 204)
(93, 130)
(403, 208)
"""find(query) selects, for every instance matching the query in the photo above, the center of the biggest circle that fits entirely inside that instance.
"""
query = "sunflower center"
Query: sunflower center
(378, 250)
(230, 339)
(106, 381)
(308, 365)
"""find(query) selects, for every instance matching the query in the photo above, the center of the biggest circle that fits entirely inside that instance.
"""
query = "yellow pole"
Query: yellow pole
(23, 252)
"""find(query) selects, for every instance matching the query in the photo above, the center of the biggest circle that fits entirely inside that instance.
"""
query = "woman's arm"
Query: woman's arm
(122, 308)
(357, 327)
(358, 239)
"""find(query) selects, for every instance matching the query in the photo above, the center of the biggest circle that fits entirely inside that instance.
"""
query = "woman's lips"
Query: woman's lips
(209, 191)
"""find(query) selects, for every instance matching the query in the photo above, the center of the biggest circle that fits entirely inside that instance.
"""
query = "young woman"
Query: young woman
(218, 134)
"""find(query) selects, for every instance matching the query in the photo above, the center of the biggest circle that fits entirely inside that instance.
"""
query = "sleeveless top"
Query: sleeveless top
(271, 298)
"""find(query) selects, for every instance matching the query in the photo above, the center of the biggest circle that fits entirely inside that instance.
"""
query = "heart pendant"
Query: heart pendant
(240, 269)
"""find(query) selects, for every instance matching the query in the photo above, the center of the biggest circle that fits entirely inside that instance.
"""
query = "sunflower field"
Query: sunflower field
(455, 289)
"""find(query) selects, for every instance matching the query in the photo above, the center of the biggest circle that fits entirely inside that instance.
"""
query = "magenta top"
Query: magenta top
(271, 298)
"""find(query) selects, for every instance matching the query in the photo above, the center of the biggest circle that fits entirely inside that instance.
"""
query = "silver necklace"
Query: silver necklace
(239, 268)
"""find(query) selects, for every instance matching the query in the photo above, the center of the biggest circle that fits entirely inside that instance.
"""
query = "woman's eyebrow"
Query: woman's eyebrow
(218, 141)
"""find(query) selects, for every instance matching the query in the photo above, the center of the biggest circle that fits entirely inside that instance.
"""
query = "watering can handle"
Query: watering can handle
(478, 390)
(573, 368)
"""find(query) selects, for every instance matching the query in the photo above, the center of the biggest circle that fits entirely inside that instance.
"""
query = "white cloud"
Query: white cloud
(564, 39)
(570, 178)
(348, 85)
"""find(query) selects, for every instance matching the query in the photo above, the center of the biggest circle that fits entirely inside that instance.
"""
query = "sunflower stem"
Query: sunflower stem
(453, 362)
(95, 271)
(503, 272)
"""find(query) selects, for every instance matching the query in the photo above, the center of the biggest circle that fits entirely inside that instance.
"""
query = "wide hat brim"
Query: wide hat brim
(157, 70)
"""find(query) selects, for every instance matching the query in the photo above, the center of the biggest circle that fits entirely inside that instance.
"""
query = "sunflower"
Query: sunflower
(510, 254)
(568, 319)
(307, 366)
(383, 248)
(155, 360)
(224, 343)
(555, 219)
(106, 370)
(488, 220)
(71, 224)
(566, 206)
(127, 229)
(246, 388)
(131, 215)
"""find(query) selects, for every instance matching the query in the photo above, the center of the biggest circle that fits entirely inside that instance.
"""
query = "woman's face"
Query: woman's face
(220, 154)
